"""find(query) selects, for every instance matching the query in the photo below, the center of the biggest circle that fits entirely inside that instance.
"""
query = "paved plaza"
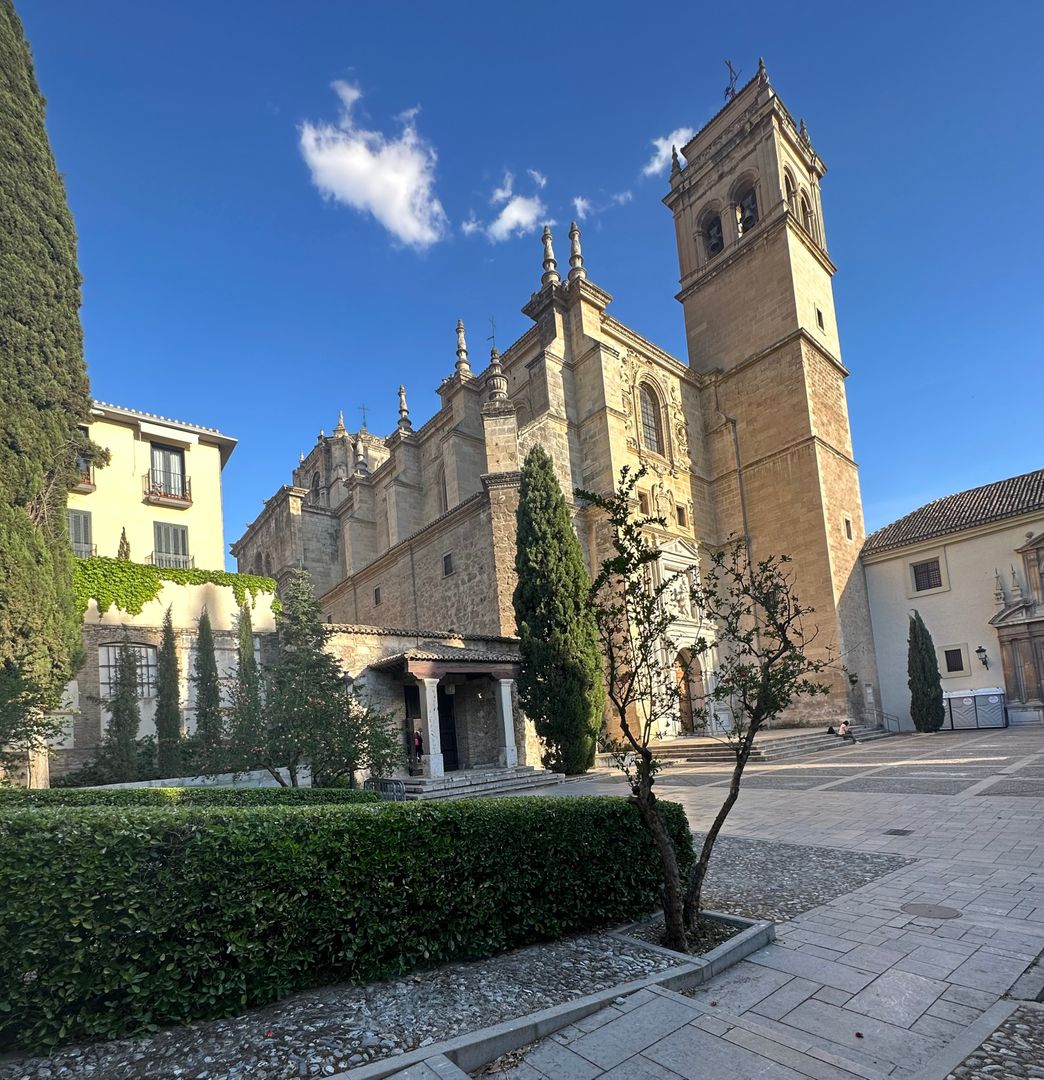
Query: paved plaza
(864, 983)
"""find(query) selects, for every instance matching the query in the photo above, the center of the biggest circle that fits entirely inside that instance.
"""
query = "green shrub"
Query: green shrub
(120, 922)
(183, 796)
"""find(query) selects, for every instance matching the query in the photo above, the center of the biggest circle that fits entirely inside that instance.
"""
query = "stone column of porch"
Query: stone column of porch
(429, 708)
(506, 716)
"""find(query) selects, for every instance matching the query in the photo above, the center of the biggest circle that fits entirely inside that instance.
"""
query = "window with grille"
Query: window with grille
(927, 575)
(168, 471)
(954, 660)
(146, 657)
(652, 428)
(80, 533)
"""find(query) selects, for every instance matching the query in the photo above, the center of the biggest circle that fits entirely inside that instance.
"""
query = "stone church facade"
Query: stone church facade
(750, 437)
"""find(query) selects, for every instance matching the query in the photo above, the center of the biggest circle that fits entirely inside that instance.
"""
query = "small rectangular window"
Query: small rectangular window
(643, 503)
(819, 319)
(80, 533)
(683, 517)
(170, 546)
(954, 660)
(848, 528)
(447, 565)
(927, 575)
(146, 655)
(377, 596)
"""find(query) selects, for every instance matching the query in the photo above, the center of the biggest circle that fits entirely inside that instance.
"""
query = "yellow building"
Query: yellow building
(162, 486)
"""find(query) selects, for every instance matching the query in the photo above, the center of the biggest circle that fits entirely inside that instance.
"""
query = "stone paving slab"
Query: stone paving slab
(1026, 787)
(901, 785)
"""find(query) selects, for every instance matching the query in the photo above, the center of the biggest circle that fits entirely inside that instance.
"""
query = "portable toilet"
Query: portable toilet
(990, 707)
(960, 709)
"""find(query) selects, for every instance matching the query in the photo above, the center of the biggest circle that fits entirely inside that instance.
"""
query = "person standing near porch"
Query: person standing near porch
(418, 746)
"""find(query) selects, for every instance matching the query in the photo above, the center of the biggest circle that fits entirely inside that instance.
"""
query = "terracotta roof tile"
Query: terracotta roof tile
(978, 506)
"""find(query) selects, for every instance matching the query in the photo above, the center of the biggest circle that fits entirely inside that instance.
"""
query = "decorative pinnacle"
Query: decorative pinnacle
(462, 366)
(361, 467)
(404, 412)
(340, 429)
(497, 381)
(576, 258)
(675, 161)
(550, 275)
(762, 73)
(300, 457)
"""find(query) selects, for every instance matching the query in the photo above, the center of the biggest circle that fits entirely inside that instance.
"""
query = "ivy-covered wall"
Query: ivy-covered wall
(129, 586)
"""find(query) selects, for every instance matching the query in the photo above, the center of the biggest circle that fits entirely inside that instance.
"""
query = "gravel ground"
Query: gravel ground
(767, 880)
(901, 785)
(325, 1031)
(1014, 1050)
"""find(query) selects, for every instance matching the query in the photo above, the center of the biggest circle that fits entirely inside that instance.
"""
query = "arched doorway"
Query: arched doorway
(689, 674)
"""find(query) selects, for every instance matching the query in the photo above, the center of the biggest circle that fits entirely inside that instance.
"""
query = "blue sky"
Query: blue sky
(203, 145)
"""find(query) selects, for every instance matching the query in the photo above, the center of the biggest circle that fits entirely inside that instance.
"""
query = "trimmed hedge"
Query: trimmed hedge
(119, 922)
(182, 796)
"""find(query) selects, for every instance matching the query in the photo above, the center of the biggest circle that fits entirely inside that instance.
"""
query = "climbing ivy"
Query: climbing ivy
(129, 586)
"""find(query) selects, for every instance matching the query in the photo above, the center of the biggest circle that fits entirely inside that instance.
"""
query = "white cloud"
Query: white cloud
(662, 157)
(471, 226)
(521, 214)
(390, 177)
(538, 178)
(505, 191)
(585, 208)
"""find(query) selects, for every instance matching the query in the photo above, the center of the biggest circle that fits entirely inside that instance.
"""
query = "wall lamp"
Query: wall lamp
(980, 652)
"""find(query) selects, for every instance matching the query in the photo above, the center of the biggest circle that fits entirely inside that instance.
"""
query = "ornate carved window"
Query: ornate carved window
(746, 209)
(652, 420)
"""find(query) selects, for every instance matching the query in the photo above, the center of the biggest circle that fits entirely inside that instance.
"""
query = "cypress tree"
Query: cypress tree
(208, 691)
(561, 684)
(168, 705)
(120, 747)
(246, 729)
(926, 696)
(123, 551)
(44, 393)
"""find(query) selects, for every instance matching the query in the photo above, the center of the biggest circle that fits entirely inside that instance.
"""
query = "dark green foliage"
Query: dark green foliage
(120, 745)
(561, 684)
(304, 690)
(181, 796)
(44, 394)
(926, 696)
(362, 740)
(168, 705)
(25, 725)
(209, 721)
(127, 919)
(245, 716)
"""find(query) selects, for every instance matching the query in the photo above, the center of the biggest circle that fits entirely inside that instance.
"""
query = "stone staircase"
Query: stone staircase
(778, 747)
(470, 783)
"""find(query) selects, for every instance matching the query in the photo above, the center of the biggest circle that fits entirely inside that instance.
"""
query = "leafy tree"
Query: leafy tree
(926, 696)
(44, 393)
(168, 704)
(26, 727)
(209, 721)
(123, 551)
(120, 747)
(751, 632)
(561, 685)
(304, 690)
(362, 740)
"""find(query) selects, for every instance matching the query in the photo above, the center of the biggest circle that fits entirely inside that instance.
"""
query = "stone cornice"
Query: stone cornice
(281, 496)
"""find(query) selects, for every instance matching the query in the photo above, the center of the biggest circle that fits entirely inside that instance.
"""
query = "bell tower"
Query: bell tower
(760, 325)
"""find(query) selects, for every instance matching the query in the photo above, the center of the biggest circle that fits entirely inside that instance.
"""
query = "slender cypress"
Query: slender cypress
(561, 685)
(926, 696)
(44, 393)
(208, 691)
(120, 748)
(168, 705)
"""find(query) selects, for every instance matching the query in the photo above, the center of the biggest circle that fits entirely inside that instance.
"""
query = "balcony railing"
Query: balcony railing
(170, 561)
(84, 551)
(167, 488)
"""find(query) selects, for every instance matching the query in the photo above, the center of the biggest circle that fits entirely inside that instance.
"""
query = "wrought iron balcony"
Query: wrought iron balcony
(170, 561)
(84, 551)
(164, 488)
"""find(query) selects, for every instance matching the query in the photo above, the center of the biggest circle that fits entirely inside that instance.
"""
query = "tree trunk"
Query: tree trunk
(698, 874)
(673, 911)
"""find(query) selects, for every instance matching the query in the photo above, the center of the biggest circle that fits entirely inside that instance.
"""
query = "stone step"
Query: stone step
(490, 787)
(770, 750)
